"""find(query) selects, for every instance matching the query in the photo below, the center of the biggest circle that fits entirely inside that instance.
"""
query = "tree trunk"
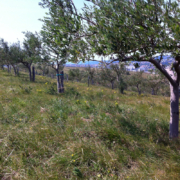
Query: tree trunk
(43, 73)
(174, 111)
(62, 81)
(152, 91)
(112, 85)
(58, 81)
(2, 66)
(8, 68)
(139, 90)
(14, 68)
(29, 68)
(17, 71)
(33, 73)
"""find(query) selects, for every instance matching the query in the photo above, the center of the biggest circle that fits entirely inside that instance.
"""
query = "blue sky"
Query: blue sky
(17, 16)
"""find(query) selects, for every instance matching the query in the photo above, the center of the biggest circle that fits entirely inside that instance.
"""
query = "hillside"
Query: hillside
(85, 133)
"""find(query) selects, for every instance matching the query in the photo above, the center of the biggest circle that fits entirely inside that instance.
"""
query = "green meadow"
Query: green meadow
(85, 133)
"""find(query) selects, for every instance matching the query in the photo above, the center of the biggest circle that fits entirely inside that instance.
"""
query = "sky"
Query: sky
(17, 16)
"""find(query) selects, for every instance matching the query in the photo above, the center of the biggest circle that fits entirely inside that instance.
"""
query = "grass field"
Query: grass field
(84, 133)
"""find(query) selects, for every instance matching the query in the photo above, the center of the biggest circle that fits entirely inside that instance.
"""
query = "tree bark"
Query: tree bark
(139, 90)
(33, 74)
(17, 71)
(62, 81)
(92, 81)
(152, 91)
(14, 68)
(174, 111)
(29, 68)
(8, 68)
(58, 81)
(112, 85)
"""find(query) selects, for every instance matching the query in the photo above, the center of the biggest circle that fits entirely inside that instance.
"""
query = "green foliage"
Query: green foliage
(77, 172)
(26, 89)
(51, 90)
(122, 85)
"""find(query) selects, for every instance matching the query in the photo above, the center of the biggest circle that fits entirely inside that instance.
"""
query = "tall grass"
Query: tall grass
(85, 133)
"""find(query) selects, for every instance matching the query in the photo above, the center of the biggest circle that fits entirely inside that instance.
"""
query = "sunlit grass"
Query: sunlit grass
(86, 133)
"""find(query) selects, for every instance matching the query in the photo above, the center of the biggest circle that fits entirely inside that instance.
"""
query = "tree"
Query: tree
(134, 31)
(32, 50)
(119, 69)
(43, 66)
(138, 31)
(154, 81)
(14, 56)
(91, 74)
(59, 30)
(107, 74)
(137, 81)
(75, 74)
(5, 56)
(2, 60)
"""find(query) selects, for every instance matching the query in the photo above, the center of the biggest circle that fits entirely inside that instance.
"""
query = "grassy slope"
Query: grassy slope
(85, 133)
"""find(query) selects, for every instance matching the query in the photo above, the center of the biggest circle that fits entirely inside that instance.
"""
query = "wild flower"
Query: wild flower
(72, 155)
(116, 103)
(46, 83)
(98, 175)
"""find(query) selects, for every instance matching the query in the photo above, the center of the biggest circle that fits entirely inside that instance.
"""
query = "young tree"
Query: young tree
(154, 81)
(120, 70)
(59, 32)
(5, 56)
(107, 74)
(30, 52)
(91, 74)
(75, 74)
(2, 59)
(14, 56)
(137, 81)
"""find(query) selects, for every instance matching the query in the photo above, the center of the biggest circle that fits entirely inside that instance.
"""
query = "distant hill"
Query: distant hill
(166, 61)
